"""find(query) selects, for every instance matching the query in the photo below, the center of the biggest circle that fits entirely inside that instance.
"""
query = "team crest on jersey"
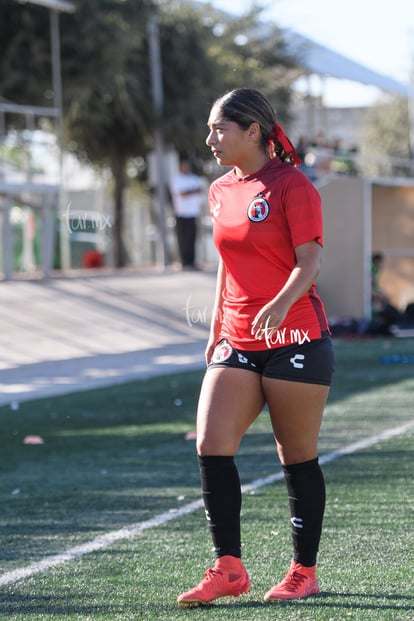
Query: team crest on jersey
(222, 352)
(258, 210)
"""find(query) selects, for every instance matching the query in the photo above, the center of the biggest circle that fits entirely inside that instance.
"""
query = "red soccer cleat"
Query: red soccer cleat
(228, 577)
(299, 582)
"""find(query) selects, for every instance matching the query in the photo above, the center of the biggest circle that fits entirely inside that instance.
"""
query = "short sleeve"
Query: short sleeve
(303, 209)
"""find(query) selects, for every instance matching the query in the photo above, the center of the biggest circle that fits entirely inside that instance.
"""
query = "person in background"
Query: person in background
(383, 313)
(187, 197)
(269, 341)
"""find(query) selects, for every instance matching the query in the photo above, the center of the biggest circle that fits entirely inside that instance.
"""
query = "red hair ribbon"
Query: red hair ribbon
(278, 133)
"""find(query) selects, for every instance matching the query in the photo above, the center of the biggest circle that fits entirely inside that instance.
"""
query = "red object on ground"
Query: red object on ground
(93, 258)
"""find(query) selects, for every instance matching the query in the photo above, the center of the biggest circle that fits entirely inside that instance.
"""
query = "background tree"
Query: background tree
(108, 110)
(108, 114)
(25, 59)
(386, 140)
(206, 53)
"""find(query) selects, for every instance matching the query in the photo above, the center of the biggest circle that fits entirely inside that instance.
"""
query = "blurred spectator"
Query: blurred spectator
(302, 148)
(383, 313)
(319, 154)
(187, 197)
(343, 160)
(320, 157)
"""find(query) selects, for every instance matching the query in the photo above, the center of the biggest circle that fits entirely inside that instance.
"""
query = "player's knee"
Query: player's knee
(213, 446)
(290, 455)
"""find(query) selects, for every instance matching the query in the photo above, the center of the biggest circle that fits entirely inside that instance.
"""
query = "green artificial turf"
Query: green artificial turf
(116, 457)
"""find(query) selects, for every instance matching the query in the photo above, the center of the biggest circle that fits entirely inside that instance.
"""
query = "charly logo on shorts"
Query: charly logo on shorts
(296, 361)
(258, 209)
(222, 352)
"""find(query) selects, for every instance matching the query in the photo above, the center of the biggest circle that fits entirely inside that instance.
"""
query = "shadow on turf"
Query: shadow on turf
(320, 602)
(398, 600)
(13, 603)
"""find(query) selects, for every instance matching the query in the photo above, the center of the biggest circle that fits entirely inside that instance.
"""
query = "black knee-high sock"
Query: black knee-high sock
(306, 489)
(220, 485)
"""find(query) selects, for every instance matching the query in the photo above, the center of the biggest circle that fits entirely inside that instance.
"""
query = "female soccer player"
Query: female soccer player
(269, 340)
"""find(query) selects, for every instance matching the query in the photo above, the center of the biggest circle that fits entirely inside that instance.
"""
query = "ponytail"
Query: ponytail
(281, 146)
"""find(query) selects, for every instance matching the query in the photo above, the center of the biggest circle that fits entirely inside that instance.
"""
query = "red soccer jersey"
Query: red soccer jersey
(257, 223)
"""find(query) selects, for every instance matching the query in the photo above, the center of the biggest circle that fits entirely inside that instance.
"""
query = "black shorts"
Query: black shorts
(312, 362)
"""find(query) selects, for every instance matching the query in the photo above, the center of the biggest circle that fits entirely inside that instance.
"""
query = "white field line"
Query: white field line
(128, 532)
